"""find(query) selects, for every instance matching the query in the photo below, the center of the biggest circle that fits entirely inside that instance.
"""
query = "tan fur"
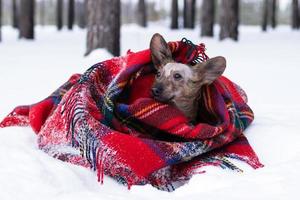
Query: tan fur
(180, 84)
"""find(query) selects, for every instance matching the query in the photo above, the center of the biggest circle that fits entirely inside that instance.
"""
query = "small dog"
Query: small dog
(180, 84)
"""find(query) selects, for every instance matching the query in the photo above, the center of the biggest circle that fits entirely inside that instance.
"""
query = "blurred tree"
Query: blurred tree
(0, 19)
(295, 15)
(251, 12)
(128, 14)
(265, 15)
(229, 19)
(26, 19)
(71, 14)
(207, 18)
(189, 13)
(80, 12)
(59, 14)
(273, 13)
(103, 24)
(142, 13)
(42, 10)
(14, 14)
(174, 14)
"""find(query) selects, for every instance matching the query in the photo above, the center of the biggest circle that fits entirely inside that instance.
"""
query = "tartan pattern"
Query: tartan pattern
(106, 120)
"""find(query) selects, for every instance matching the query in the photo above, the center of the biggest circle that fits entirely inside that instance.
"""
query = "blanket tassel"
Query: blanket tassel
(100, 167)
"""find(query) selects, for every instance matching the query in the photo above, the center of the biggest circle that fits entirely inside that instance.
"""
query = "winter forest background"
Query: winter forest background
(229, 14)
(44, 42)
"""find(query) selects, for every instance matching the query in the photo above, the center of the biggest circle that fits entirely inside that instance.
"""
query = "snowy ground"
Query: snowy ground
(265, 65)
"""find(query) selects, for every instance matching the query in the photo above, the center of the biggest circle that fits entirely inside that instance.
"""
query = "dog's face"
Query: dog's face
(176, 82)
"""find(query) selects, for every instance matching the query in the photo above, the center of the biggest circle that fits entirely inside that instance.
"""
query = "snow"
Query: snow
(266, 65)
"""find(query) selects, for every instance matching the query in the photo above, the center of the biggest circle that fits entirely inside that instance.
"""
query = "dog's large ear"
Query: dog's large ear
(210, 70)
(160, 51)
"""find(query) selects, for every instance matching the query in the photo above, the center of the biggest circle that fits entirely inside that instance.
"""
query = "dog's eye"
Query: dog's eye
(177, 76)
(158, 74)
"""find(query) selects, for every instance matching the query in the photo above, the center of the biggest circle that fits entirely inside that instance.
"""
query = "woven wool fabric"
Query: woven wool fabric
(106, 120)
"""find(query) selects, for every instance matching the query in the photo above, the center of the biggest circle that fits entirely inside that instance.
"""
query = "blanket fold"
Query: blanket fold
(105, 119)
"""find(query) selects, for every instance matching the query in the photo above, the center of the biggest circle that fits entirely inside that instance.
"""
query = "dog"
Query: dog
(180, 84)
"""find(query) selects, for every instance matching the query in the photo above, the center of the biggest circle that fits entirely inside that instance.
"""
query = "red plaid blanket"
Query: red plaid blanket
(106, 120)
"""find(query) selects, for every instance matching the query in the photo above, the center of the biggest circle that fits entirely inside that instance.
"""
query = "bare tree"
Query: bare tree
(59, 14)
(207, 18)
(265, 15)
(142, 13)
(273, 13)
(299, 14)
(0, 19)
(229, 19)
(71, 14)
(42, 12)
(14, 14)
(189, 13)
(81, 13)
(295, 15)
(103, 25)
(26, 19)
(174, 14)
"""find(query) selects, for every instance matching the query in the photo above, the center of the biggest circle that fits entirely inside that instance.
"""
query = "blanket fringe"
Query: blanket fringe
(19, 117)
(122, 175)
(200, 49)
(169, 183)
(250, 160)
(100, 167)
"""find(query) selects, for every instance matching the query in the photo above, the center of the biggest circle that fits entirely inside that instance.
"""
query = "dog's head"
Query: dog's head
(177, 82)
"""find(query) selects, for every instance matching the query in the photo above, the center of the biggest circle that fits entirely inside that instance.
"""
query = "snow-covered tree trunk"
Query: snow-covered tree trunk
(103, 25)
(273, 13)
(189, 13)
(295, 15)
(71, 14)
(26, 19)
(14, 14)
(142, 13)
(207, 18)
(229, 19)
(174, 14)
(265, 15)
(59, 14)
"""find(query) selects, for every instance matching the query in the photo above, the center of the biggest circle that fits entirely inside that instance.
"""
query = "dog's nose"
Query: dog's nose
(156, 91)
